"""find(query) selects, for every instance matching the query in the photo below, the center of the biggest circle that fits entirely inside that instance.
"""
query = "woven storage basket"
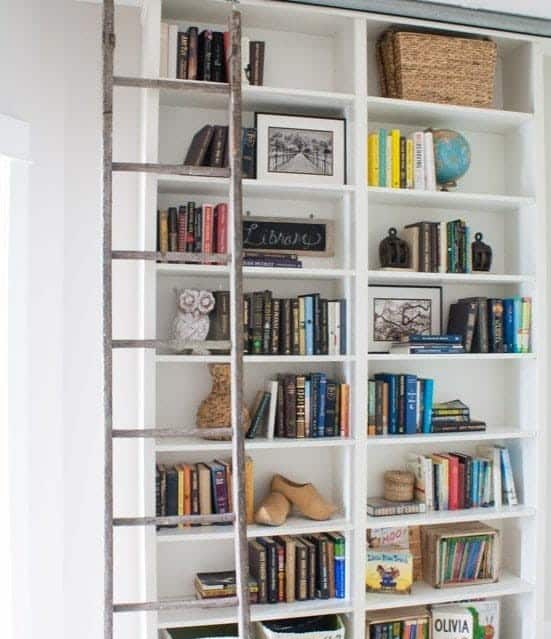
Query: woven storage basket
(437, 68)
(399, 485)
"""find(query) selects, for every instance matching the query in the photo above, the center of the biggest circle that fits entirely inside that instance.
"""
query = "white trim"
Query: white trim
(14, 138)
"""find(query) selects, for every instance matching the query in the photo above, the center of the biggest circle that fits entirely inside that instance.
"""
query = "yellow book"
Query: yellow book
(395, 136)
(409, 164)
(181, 492)
(389, 570)
(373, 159)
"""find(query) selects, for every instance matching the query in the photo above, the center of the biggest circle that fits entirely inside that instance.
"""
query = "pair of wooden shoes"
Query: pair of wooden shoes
(285, 493)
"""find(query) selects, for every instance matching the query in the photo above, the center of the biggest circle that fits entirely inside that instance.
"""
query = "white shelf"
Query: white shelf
(251, 188)
(423, 594)
(256, 272)
(393, 357)
(452, 516)
(449, 200)
(254, 359)
(412, 277)
(437, 438)
(293, 526)
(197, 444)
(425, 114)
(255, 98)
(259, 612)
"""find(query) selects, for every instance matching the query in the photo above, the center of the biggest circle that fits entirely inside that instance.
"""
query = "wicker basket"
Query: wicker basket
(399, 485)
(436, 68)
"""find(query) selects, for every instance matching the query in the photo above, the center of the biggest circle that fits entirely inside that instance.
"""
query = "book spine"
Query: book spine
(198, 231)
(395, 136)
(430, 171)
(219, 490)
(309, 324)
(218, 57)
(316, 304)
(162, 233)
(307, 407)
(182, 228)
(290, 407)
(207, 228)
(382, 157)
(275, 326)
(301, 572)
(286, 327)
(324, 328)
(344, 412)
(403, 161)
(280, 412)
(373, 159)
(256, 49)
(295, 326)
(321, 405)
(342, 332)
(193, 34)
(331, 426)
(183, 48)
(190, 234)
(248, 153)
(419, 161)
(222, 228)
(379, 407)
(371, 415)
(409, 164)
(266, 322)
(300, 382)
(411, 404)
(257, 323)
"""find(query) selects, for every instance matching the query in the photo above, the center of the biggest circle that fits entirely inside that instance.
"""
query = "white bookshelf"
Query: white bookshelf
(320, 61)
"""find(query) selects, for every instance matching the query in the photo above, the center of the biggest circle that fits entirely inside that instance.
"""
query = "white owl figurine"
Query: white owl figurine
(192, 318)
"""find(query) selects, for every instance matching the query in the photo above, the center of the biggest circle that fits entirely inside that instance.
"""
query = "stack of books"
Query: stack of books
(399, 162)
(271, 260)
(297, 568)
(200, 489)
(428, 345)
(399, 404)
(216, 585)
(438, 247)
(299, 406)
(304, 325)
(190, 228)
(209, 147)
(453, 417)
(493, 325)
(455, 481)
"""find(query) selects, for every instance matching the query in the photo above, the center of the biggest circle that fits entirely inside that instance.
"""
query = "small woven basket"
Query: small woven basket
(439, 68)
(399, 485)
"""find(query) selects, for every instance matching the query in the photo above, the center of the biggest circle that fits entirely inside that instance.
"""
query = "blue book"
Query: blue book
(474, 485)
(469, 563)
(392, 401)
(382, 157)
(413, 631)
(428, 398)
(309, 323)
(322, 391)
(517, 322)
(436, 350)
(508, 325)
(342, 310)
(410, 412)
(432, 339)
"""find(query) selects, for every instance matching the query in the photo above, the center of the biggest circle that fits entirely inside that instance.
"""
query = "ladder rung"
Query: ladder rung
(221, 433)
(174, 520)
(172, 169)
(173, 257)
(176, 604)
(194, 86)
(161, 343)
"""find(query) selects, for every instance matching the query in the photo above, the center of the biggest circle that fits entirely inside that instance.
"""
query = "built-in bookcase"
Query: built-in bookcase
(320, 61)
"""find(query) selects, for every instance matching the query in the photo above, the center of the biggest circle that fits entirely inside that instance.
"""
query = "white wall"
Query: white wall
(536, 8)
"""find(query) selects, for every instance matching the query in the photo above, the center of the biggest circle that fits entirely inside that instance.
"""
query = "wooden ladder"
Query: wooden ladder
(238, 516)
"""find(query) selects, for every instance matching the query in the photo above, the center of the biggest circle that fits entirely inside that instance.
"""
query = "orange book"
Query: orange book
(344, 410)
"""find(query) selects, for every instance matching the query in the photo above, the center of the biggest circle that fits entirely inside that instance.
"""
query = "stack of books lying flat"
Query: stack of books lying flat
(428, 344)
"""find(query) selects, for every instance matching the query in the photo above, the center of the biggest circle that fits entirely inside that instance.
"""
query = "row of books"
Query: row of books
(403, 629)
(455, 481)
(299, 406)
(200, 489)
(400, 162)
(399, 405)
(304, 325)
(298, 567)
(187, 54)
(465, 559)
(492, 325)
(437, 247)
(209, 147)
(190, 228)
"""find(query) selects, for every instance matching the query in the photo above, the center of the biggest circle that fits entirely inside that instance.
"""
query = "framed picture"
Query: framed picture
(395, 311)
(300, 149)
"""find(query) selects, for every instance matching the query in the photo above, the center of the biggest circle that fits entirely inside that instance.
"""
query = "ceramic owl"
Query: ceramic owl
(192, 318)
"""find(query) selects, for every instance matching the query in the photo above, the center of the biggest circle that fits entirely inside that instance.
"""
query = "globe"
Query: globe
(452, 156)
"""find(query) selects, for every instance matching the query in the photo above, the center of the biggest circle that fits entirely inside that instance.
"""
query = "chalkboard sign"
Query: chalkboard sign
(288, 235)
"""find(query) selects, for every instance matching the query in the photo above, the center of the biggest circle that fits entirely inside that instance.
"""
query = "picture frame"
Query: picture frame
(299, 149)
(395, 311)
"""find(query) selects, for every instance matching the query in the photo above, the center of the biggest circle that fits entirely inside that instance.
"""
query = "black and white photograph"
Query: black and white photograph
(300, 149)
(395, 312)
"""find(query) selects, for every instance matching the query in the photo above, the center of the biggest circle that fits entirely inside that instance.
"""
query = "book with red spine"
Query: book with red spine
(453, 482)
(207, 229)
(221, 228)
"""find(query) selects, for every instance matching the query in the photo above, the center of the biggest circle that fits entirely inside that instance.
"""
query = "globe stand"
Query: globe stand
(448, 186)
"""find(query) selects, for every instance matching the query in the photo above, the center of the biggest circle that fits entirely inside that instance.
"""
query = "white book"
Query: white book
(332, 326)
(272, 388)
(509, 490)
(429, 479)
(337, 328)
(245, 59)
(430, 170)
(416, 464)
(172, 50)
(419, 161)
(163, 60)
(388, 167)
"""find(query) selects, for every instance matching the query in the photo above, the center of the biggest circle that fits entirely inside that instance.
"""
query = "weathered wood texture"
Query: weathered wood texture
(191, 86)
(108, 34)
(176, 604)
(174, 520)
(172, 257)
(236, 330)
(163, 343)
(172, 169)
(169, 433)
